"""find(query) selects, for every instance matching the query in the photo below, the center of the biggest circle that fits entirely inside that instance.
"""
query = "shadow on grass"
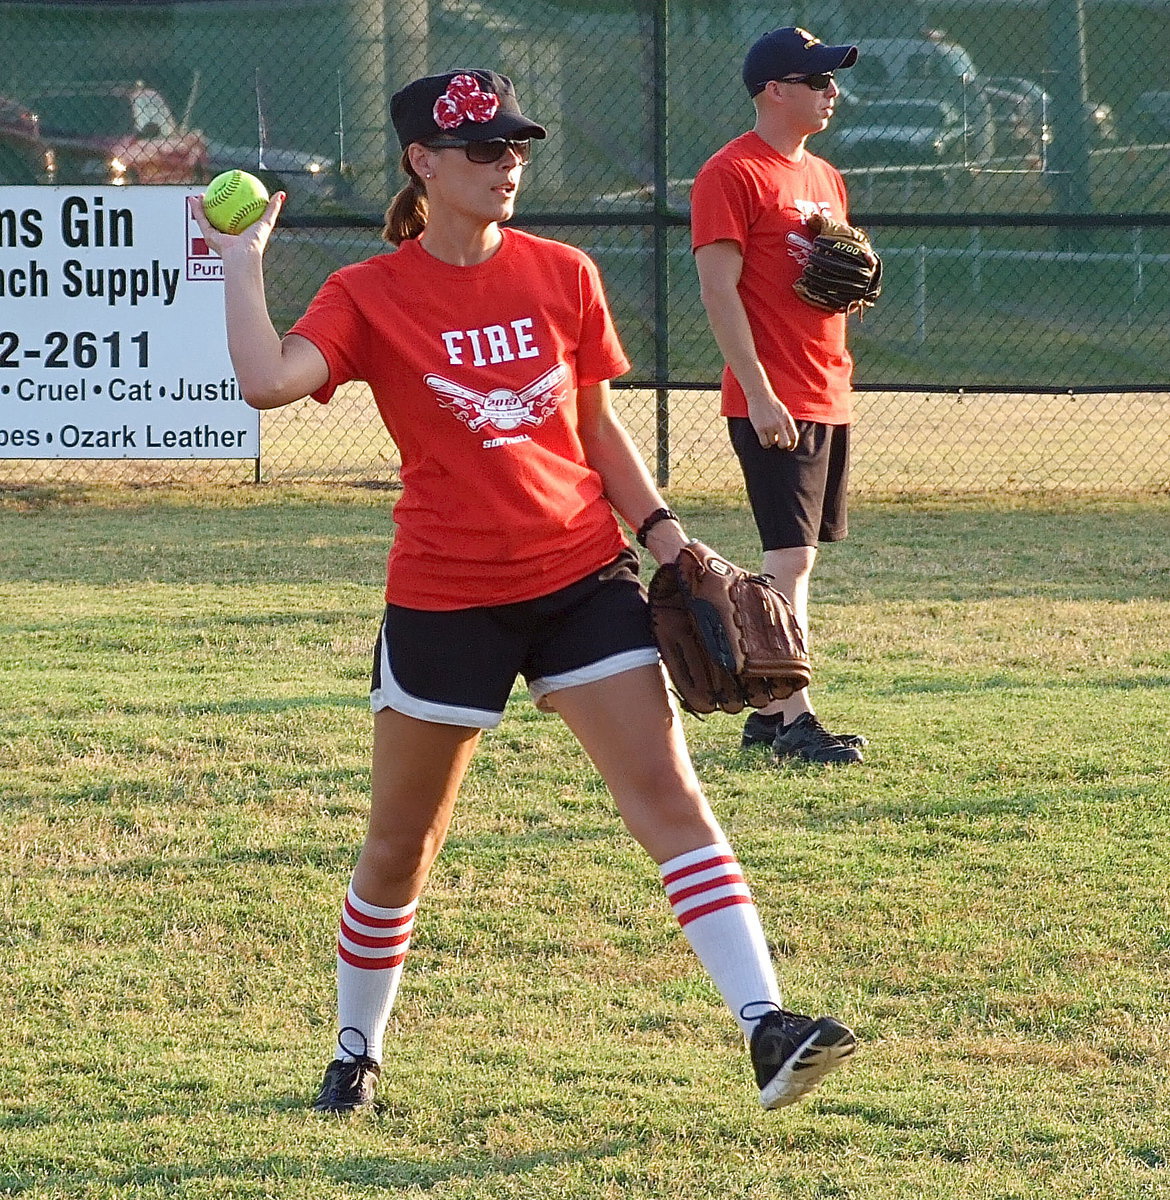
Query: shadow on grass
(333, 860)
(369, 1171)
(256, 784)
(213, 629)
(876, 1115)
(1001, 685)
(946, 548)
(372, 1170)
(268, 705)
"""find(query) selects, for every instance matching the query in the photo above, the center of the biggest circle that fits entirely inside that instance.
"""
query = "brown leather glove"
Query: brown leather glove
(728, 638)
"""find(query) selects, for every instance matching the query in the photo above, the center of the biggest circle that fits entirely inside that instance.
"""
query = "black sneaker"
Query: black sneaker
(760, 730)
(348, 1086)
(806, 738)
(791, 1054)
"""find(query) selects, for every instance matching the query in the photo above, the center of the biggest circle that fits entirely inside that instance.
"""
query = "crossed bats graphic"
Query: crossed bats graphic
(501, 407)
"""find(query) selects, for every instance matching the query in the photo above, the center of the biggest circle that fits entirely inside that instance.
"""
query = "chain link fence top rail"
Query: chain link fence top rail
(1015, 180)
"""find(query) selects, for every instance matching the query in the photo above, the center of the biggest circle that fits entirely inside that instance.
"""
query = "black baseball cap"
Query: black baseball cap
(788, 52)
(472, 105)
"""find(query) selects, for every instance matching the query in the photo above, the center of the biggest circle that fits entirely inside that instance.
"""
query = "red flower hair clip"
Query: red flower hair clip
(465, 101)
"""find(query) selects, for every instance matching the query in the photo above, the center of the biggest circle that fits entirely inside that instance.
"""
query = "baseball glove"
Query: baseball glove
(729, 639)
(843, 273)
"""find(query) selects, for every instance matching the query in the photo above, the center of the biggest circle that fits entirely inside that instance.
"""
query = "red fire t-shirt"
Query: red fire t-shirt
(750, 194)
(475, 372)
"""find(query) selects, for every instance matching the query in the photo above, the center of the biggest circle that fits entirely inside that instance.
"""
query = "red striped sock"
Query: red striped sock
(371, 950)
(714, 906)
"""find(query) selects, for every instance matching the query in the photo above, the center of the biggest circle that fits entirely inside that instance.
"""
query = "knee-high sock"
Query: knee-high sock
(371, 948)
(713, 904)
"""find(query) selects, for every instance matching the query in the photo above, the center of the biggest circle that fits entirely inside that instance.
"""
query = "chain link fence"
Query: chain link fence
(1015, 180)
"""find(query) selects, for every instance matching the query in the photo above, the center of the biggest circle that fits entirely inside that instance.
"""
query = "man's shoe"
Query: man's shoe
(760, 730)
(348, 1086)
(806, 738)
(791, 1054)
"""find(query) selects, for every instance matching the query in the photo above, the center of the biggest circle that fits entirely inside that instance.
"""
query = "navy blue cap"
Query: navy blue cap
(790, 52)
(472, 105)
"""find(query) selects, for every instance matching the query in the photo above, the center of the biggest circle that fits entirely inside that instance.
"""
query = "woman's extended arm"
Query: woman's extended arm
(271, 372)
(610, 451)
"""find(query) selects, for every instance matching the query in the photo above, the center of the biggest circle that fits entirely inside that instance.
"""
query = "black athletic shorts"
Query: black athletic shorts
(798, 497)
(459, 667)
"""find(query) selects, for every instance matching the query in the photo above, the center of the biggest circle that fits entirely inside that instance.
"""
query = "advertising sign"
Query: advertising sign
(112, 341)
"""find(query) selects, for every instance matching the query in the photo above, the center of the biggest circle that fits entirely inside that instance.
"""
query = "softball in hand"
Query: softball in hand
(234, 200)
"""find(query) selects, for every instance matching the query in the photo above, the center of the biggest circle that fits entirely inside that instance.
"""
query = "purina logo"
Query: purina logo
(202, 261)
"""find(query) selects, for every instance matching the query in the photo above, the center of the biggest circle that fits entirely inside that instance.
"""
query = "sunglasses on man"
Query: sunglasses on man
(489, 151)
(818, 82)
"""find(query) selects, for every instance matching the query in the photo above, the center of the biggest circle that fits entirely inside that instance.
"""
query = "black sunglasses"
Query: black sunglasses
(818, 83)
(487, 152)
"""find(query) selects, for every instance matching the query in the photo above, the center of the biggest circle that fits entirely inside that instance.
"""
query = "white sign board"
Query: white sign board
(112, 341)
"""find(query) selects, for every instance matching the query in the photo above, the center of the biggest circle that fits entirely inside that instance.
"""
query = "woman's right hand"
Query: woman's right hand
(253, 240)
(772, 422)
(665, 540)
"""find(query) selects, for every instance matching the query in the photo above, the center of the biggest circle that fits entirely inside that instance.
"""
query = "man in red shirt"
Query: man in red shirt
(787, 392)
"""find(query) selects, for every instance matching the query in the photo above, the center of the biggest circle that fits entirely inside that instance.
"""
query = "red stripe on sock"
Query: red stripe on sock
(370, 964)
(374, 943)
(705, 865)
(703, 909)
(698, 888)
(377, 922)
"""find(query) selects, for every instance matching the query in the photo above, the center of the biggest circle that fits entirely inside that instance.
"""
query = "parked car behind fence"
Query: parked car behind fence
(900, 132)
(117, 133)
(1150, 119)
(315, 185)
(24, 158)
(925, 68)
(1024, 115)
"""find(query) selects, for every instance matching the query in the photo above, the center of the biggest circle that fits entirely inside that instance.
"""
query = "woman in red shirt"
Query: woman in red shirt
(488, 352)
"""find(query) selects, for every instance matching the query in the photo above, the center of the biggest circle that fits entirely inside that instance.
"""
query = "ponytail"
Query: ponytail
(406, 217)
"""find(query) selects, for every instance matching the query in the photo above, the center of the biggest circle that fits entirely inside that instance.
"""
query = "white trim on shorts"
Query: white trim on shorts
(615, 664)
(392, 695)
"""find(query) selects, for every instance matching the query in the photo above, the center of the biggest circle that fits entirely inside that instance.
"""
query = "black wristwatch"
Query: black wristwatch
(659, 514)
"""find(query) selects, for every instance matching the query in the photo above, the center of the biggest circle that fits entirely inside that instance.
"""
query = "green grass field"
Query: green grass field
(183, 761)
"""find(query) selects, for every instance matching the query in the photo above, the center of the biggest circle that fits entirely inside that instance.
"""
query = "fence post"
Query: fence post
(920, 296)
(1067, 82)
(1139, 279)
(661, 256)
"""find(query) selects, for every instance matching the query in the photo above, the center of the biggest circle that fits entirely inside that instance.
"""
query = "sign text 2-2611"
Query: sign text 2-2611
(82, 350)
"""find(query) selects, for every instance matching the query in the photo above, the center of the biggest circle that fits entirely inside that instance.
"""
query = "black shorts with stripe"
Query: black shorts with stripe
(798, 496)
(458, 667)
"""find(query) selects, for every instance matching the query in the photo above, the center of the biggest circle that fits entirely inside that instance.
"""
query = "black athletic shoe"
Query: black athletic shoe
(760, 730)
(806, 738)
(791, 1054)
(348, 1086)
